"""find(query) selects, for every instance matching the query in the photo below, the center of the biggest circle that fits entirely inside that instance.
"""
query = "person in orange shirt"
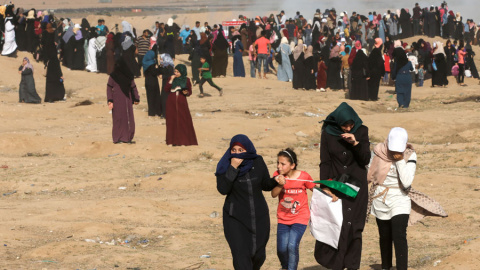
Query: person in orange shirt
(262, 49)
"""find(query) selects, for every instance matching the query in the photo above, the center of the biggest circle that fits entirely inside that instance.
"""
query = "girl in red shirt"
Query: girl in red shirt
(293, 212)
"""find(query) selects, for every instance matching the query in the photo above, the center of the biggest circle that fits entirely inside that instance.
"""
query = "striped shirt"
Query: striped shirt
(143, 45)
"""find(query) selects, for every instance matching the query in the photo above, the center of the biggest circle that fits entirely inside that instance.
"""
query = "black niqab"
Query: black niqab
(124, 77)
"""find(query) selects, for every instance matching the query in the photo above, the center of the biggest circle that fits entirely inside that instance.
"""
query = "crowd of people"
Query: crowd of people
(332, 51)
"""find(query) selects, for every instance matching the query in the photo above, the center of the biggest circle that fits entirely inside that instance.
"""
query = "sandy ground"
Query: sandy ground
(66, 172)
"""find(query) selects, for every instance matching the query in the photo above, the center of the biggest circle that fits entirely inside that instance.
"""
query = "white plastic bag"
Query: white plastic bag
(326, 218)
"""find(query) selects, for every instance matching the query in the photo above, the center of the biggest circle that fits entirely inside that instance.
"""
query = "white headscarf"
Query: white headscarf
(439, 48)
(170, 22)
(127, 27)
(166, 60)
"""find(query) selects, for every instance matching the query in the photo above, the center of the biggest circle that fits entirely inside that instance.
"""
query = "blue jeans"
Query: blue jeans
(262, 59)
(252, 68)
(420, 82)
(288, 243)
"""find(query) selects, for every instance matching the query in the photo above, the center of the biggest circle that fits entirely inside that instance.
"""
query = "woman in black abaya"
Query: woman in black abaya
(359, 74)
(220, 55)
(439, 76)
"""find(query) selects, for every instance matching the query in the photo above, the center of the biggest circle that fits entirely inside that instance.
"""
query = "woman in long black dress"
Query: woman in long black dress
(68, 46)
(334, 81)
(376, 66)
(359, 75)
(345, 149)
(310, 68)
(470, 63)
(220, 55)
(151, 72)
(439, 76)
(30, 31)
(20, 33)
(242, 175)
(54, 88)
(449, 53)
(297, 58)
(78, 49)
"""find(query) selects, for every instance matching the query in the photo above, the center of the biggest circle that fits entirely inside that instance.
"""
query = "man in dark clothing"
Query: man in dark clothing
(417, 12)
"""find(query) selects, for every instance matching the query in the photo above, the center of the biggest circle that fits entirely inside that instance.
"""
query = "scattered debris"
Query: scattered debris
(199, 114)
(9, 193)
(437, 262)
(36, 155)
(112, 155)
(83, 103)
(160, 178)
(310, 114)
(4, 166)
(27, 192)
(122, 188)
(90, 241)
(214, 214)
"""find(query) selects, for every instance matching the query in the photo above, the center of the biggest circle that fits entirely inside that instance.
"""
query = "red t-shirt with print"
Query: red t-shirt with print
(293, 200)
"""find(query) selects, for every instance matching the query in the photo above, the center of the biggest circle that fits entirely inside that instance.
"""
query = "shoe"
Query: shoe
(323, 90)
(221, 92)
(201, 95)
(194, 83)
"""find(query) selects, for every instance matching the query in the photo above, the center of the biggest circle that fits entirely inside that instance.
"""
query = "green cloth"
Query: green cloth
(342, 114)
(182, 80)
(341, 187)
(206, 74)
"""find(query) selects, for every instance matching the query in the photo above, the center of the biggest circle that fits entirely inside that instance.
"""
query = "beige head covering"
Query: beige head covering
(309, 51)
(2, 10)
(298, 50)
(439, 48)
(284, 40)
(31, 14)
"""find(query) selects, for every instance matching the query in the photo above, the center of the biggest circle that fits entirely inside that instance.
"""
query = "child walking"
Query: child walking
(421, 74)
(293, 212)
(207, 76)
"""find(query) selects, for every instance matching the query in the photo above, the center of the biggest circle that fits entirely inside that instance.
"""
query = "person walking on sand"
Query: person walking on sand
(207, 76)
(293, 212)
(242, 175)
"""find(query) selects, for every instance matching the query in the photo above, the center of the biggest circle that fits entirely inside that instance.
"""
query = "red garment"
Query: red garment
(180, 130)
(387, 62)
(38, 28)
(322, 75)
(353, 53)
(293, 201)
(262, 44)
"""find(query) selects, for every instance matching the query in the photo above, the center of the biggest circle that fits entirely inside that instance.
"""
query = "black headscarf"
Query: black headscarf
(400, 58)
(221, 43)
(124, 77)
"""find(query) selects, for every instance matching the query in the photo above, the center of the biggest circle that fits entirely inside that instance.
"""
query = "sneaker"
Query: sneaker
(221, 92)
(323, 90)
(194, 83)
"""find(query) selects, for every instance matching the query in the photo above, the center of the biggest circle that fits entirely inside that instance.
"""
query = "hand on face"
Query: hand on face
(350, 138)
(397, 156)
